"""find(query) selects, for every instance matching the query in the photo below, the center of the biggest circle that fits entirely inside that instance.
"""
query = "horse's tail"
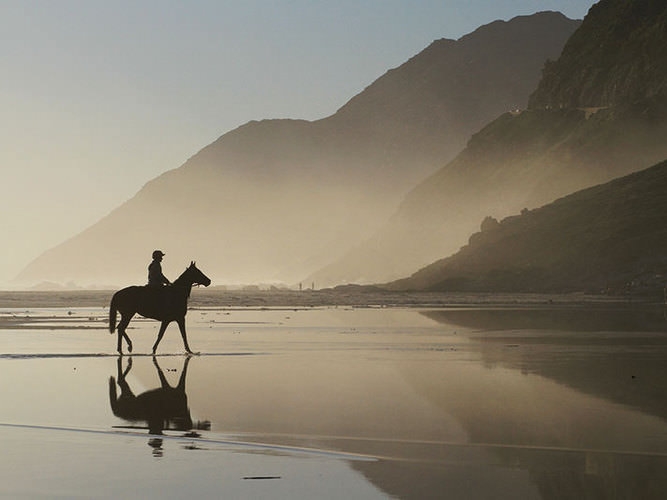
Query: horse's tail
(112, 393)
(112, 314)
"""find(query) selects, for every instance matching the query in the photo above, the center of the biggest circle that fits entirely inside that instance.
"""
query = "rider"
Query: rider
(155, 276)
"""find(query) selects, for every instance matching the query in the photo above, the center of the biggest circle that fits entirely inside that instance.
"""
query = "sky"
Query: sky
(97, 98)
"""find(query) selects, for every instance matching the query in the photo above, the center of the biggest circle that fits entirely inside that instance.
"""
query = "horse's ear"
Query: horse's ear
(192, 263)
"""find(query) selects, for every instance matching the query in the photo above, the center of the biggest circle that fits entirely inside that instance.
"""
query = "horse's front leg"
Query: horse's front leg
(181, 327)
(163, 328)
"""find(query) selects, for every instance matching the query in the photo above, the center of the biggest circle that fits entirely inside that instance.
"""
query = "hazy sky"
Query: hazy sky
(99, 97)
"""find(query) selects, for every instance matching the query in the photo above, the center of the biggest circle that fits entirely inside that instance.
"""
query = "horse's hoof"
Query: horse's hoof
(129, 348)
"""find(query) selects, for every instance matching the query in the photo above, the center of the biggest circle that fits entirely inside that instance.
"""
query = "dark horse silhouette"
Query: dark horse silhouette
(165, 407)
(165, 304)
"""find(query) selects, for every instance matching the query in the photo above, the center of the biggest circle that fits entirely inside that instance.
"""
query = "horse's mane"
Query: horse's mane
(180, 281)
(184, 280)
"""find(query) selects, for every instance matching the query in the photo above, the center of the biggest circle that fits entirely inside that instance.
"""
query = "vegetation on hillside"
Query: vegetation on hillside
(605, 238)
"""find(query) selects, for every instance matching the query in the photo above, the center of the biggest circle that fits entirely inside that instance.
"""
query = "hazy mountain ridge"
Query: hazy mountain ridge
(530, 158)
(277, 199)
(597, 239)
(452, 87)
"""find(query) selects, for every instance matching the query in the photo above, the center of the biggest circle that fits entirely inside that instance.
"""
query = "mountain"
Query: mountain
(617, 58)
(277, 199)
(599, 112)
(598, 239)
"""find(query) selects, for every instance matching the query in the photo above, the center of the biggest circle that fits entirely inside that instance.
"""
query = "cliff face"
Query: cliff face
(617, 58)
(277, 199)
(597, 114)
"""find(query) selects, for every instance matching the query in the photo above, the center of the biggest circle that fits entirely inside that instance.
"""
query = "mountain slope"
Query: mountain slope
(597, 114)
(618, 57)
(596, 239)
(277, 199)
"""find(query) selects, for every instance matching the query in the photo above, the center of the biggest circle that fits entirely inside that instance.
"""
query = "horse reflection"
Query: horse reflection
(163, 408)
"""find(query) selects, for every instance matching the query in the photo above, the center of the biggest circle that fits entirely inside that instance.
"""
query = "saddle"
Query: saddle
(156, 298)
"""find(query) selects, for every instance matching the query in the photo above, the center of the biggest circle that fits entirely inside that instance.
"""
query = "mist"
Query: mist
(276, 201)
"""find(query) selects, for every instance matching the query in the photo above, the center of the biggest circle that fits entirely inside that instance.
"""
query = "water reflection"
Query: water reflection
(527, 406)
(616, 354)
(165, 407)
(522, 473)
(582, 319)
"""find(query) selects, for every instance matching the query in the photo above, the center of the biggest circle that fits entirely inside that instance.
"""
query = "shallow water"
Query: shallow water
(337, 402)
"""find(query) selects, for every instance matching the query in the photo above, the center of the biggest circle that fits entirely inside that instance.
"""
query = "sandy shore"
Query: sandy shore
(337, 402)
(202, 297)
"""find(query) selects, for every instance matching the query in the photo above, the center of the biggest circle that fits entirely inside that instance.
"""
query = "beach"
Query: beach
(429, 398)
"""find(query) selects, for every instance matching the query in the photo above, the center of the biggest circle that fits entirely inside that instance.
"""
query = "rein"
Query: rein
(187, 280)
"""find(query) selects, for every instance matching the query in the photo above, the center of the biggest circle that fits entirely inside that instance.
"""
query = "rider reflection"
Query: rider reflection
(156, 444)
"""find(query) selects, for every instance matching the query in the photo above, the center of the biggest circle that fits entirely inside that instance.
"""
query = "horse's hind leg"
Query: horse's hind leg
(124, 321)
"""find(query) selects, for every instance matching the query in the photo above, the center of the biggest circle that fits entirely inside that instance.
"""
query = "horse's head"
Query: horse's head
(196, 277)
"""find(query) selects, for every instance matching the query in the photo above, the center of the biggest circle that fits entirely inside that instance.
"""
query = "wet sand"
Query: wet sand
(481, 401)
(347, 296)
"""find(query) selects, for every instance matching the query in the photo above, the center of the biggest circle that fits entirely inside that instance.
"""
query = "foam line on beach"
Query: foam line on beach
(256, 445)
(453, 444)
(203, 440)
(55, 355)
(114, 355)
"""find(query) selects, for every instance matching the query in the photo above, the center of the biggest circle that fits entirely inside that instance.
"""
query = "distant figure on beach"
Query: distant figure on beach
(155, 276)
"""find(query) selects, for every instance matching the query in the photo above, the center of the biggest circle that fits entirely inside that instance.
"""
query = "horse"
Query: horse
(165, 304)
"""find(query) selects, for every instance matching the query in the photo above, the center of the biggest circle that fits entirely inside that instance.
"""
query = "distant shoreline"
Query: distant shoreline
(202, 298)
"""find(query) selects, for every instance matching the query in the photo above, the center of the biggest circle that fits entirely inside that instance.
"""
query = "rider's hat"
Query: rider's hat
(158, 253)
